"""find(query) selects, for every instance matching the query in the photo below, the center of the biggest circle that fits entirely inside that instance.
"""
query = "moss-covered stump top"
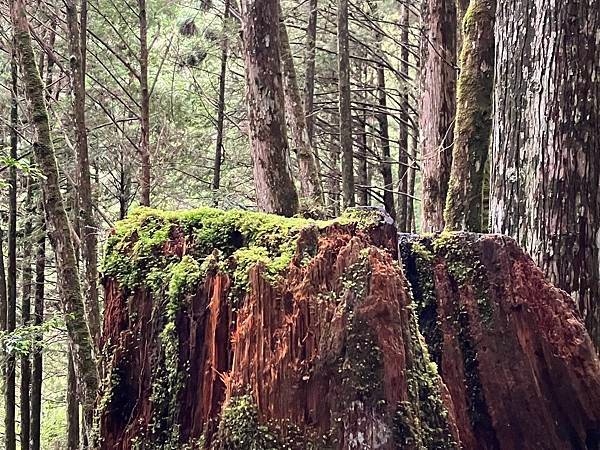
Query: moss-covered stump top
(236, 330)
(147, 247)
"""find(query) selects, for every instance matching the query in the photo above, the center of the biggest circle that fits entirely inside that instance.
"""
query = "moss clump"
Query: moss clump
(240, 428)
(362, 368)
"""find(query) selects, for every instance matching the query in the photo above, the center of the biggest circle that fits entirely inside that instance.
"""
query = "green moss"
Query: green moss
(184, 275)
(240, 428)
(461, 254)
(362, 368)
(422, 422)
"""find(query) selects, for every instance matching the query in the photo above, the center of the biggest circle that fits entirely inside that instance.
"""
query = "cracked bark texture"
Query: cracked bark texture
(437, 107)
(545, 188)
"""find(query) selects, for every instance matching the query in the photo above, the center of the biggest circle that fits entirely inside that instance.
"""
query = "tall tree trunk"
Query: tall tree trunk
(275, 189)
(27, 275)
(11, 310)
(345, 105)
(124, 184)
(3, 301)
(412, 177)
(58, 221)
(361, 157)
(473, 124)
(309, 75)
(546, 173)
(144, 148)
(310, 180)
(216, 181)
(38, 319)
(84, 184)
(384, 138)
(402, 221)
(438, 91)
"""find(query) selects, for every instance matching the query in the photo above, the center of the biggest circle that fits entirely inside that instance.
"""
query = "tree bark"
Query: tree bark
(144, 148)
(72, 406)
(58, 221)
(545, 172)
(473, 123)
(384, 139)
(402, 221)
(38, 319)
(437, 107)
(216, 181)
(84, 185)
(309, 75)
(275, 189)
(27, 275)
(345, 105)
(310, 180)
(11, 309)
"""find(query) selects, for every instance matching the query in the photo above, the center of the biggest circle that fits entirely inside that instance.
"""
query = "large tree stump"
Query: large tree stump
(236, 330)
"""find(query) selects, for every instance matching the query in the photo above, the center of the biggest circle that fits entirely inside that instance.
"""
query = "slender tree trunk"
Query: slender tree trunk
(345, 105)
(310, 180)
(361, 157)
(38, 319)
(84, 184)
(545, 174)
(124, 185)
(473, 124)
(384, 138)
(412, 176)
(72, 406)
(402, 221)
(145, 177)
(11, 310)
(309, 75)
(275, 189)
(3, 300)
(437, 107)
(27, 275)
(216, 181)
(61, 237)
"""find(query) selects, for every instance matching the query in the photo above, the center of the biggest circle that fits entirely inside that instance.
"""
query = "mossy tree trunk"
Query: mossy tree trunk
(88, 229)
(437, 107)
(310, 181)
(58, 221)
(275, 189)
(545, 188)
(473, 123)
